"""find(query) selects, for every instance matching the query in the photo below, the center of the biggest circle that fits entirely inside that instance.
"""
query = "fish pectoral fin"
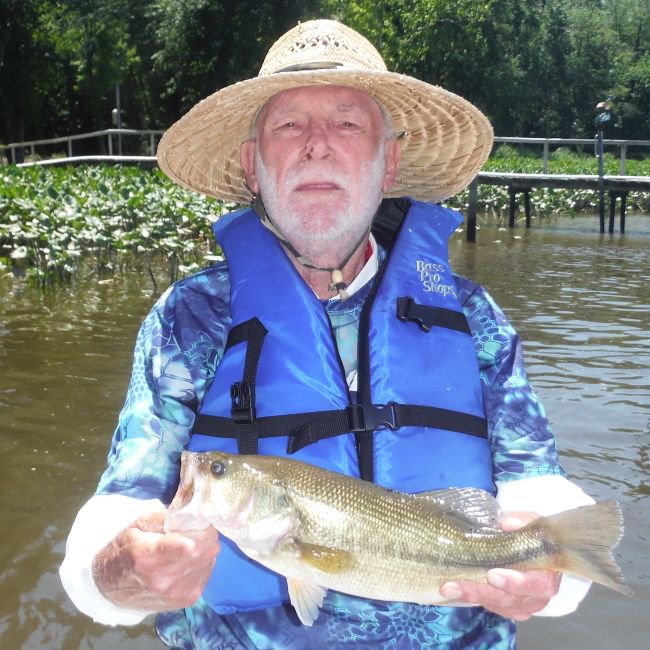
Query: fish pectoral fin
(324, 558)
(306, 598)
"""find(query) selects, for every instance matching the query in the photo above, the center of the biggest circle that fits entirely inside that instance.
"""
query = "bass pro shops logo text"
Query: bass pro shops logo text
(433, 276)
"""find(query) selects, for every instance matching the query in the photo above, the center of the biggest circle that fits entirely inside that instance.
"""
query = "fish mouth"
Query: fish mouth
(185, 510)
(183, 496)
(185, 492)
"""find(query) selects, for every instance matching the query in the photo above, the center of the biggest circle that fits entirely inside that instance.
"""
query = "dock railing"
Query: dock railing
(112, 142)
(118, 142)
(552, 143)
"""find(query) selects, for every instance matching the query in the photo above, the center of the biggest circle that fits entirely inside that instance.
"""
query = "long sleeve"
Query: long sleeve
(177, 348)
(98, 521)
(520, 436)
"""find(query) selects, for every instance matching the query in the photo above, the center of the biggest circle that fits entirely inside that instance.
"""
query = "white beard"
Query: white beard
(324, 237)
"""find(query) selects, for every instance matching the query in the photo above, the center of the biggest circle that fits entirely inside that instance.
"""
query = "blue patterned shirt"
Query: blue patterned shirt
(178, 348)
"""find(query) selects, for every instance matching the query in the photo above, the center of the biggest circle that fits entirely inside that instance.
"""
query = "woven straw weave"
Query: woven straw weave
(446, 139)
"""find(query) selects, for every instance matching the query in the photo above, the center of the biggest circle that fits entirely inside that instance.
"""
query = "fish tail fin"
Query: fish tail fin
(585, 537)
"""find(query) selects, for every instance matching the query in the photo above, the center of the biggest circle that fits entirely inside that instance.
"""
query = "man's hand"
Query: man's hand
(145, 568)
(513, 594)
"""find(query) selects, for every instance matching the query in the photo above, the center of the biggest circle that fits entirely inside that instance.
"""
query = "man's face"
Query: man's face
(321, 164)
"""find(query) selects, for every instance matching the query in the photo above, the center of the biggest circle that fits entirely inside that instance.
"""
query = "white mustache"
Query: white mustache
(306, 175)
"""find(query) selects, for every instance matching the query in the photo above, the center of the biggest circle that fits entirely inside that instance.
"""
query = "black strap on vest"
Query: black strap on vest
(427, 316)
(306, 428)
(242, 393)
(303, 429)
(388, 220)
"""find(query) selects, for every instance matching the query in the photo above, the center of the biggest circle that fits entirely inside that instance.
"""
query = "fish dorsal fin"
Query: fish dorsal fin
(306, 598)
(476, 507)
(324, 558)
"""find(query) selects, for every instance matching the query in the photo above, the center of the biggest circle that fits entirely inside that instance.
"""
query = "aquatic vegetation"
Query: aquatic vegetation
(59, 222)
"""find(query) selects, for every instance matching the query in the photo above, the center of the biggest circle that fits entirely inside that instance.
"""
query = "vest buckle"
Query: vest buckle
(243, 403)
(372, 417)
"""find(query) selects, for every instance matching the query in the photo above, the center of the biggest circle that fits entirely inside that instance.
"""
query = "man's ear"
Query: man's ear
(392, 154)
(247, 161)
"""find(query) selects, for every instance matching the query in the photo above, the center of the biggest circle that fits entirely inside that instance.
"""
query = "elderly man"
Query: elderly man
(314, 318)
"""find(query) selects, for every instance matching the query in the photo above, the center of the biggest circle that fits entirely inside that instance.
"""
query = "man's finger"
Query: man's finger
(534, 582)
(173, 548)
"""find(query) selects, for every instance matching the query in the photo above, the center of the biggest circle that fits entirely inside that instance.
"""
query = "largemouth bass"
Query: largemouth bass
(323, 530)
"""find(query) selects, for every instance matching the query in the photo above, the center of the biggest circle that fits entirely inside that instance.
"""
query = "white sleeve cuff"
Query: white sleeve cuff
(548, 495)
(98, 521)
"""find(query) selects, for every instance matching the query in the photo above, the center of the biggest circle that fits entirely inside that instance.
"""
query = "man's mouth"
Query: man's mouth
(317, 186)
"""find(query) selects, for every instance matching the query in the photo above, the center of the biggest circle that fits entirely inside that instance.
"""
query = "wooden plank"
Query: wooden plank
(588, 182)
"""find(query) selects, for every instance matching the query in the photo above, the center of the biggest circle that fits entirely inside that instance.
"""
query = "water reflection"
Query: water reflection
(64, 363)
(579, 300)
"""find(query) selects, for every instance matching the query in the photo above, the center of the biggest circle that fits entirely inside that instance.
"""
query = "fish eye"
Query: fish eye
(217, 468)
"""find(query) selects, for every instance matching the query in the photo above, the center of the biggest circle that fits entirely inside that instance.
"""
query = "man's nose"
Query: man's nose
(317, 143)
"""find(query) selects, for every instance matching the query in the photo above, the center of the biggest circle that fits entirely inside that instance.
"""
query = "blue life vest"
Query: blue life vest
(419, 421)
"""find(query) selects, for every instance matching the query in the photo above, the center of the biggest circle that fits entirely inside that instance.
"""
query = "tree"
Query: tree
(204, 45)
(593, 56)
(26, 58)
(631, 105)
(533, 66)
(94, 37)
(544, 102)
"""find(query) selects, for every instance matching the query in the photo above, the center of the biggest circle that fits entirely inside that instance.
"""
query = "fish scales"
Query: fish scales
(400, 529)
(323, 530)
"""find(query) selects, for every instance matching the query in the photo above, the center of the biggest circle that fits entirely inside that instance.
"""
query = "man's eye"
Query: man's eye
(287, 128)
(347, 125)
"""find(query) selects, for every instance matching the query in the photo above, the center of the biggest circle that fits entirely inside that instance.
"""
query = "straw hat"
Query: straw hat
(446, 139)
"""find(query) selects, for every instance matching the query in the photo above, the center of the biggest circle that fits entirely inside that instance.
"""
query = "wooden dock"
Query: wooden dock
(615, 186)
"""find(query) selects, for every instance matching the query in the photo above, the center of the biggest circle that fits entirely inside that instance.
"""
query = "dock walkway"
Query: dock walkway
(615, 186)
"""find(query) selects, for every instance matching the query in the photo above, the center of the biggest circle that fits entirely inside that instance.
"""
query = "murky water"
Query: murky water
(580, 300)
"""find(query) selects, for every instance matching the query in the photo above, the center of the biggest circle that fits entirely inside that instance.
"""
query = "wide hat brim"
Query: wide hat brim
(446, 138)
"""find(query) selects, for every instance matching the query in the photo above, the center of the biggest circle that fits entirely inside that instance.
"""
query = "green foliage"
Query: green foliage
(25, 74)
(535, 68)
(632, 114)
(57, 222)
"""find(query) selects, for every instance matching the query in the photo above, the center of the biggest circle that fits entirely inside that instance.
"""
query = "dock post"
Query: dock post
(527, 206)
(471, 211)
(612, 210)
(601, 180)
(623, 205)
(513, 206)
(603, 117)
